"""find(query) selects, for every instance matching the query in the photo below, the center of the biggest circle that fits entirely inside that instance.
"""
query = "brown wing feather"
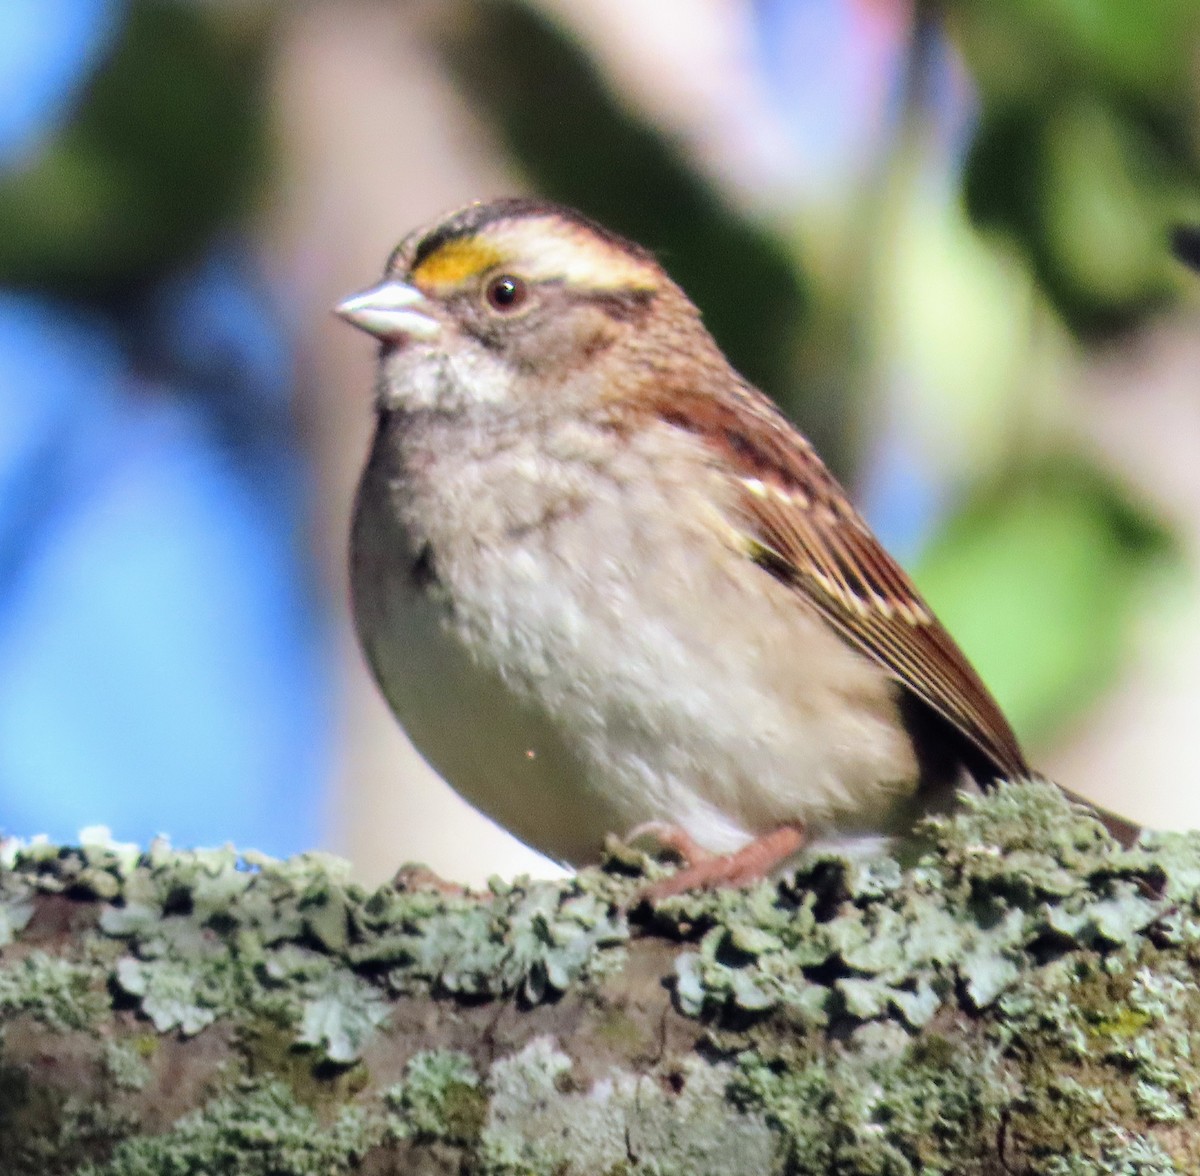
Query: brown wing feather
(802, 527)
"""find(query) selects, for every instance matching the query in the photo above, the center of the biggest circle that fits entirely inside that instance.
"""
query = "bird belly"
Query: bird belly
(568, 704)
(492, 742)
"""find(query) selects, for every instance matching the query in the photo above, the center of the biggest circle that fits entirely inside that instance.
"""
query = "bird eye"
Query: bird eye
(506, 293)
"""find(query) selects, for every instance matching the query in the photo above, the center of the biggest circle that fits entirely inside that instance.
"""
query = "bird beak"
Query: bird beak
(391, 312)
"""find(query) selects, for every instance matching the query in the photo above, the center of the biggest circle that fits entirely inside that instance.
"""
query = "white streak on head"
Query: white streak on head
(548, 249)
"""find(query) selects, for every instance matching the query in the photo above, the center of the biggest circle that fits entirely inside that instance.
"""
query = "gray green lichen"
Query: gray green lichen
(1024, 994)
(211, 934)
(254, 1130)
(63, 994)
(539, 1124)
(882, 1104)
(440, 1098)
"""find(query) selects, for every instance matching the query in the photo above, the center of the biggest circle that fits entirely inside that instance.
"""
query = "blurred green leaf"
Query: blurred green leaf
(162, 148)
(1027, 50)
(1091, 197)
(580, 145)
(1087, 149)
(1039, 577)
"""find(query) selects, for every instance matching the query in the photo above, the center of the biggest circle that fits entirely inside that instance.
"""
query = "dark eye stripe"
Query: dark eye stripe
(623, 305)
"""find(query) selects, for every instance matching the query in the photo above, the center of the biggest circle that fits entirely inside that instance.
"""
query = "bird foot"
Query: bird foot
(665, 837)
(416, 876)
(703, 870)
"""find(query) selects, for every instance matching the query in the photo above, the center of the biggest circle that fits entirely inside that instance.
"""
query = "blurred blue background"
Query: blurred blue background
(937, 235)
(163, 663)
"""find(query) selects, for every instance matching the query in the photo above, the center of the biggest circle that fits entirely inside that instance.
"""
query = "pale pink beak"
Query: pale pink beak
(391, 311)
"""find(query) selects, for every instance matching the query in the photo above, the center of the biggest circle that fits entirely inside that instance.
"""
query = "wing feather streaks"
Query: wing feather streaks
(800, 525)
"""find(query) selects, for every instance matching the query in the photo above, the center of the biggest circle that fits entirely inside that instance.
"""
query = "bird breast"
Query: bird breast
(559, 621)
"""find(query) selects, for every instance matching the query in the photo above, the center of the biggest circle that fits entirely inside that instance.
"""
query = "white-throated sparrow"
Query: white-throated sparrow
(605, 585)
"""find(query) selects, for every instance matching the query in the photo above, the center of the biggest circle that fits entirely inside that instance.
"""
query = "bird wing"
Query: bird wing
(800, 526)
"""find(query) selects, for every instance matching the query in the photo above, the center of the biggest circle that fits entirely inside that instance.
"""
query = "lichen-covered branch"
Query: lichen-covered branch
(1020, 999)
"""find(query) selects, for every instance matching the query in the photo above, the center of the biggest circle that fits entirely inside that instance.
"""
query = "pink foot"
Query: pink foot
(751, 863)
(416, 876)
(665, 836)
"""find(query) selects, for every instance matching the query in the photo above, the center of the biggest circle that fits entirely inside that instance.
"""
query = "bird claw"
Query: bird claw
(417, 876)
(708, 871)
(664, 838)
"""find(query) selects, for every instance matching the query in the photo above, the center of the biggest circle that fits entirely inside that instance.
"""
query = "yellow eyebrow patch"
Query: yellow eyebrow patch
(456, 261)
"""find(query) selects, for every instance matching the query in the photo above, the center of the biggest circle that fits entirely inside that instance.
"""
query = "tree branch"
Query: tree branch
(1021, 999)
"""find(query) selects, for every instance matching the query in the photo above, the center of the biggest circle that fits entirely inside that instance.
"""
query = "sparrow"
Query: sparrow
(608, 588)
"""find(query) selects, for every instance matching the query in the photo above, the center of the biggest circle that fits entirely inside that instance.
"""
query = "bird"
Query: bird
(609, 589)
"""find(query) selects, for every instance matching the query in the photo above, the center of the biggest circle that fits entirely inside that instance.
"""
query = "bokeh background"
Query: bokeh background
(937, 233)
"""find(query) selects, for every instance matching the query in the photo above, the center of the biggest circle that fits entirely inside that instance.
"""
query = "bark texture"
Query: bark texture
(1021, 997)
